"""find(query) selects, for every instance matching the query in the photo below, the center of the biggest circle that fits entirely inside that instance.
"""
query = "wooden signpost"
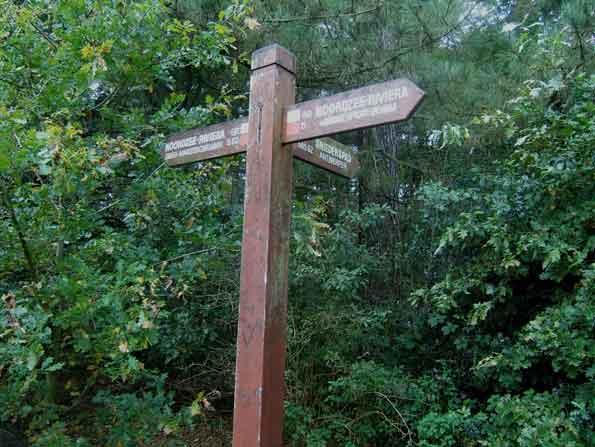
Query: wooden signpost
(267, 136)
(231, 138)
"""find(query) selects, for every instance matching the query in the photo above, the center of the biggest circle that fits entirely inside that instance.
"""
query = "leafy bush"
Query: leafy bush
(131, 420)
(119, 278)
(99, 247)
(517, 304)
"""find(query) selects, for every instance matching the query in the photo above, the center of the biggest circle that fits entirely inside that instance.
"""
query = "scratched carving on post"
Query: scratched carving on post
(250, 329)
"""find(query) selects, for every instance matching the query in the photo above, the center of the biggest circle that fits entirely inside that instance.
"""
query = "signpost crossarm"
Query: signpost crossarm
(387, 102)
(260, 362)
(274, 124)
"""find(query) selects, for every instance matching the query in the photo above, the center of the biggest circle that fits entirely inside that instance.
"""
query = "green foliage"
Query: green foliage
(133, 420)
(532, 419)
(99, 245)
(519, 298)
(527, 420)
(119, 276)
(454, 428)
(56, 436)
(498, 348)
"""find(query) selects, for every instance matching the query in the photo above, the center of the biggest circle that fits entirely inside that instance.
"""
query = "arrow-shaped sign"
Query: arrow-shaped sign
(377, 104)
(388, 102)
(205, 143)
(231, 138)
(329, 155)
(274, 122)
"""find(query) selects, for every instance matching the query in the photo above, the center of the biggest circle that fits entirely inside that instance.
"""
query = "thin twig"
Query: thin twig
(198, 252)
(17, 227)
(45, 36)
(154, 172)
(334, 75)
(107, 207)
(107, 99)
(114, 203)
(324, 17)
(18, 140)
(405, 163)
(398, 412)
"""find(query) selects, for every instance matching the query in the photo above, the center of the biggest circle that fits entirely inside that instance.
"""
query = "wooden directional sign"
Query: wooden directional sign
(377, 104)
(206, 143)
(328, 154)
(274, 123)
(231, 138)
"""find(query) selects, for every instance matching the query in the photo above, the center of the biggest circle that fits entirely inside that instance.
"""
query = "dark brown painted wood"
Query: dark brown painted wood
(260, 361)
(370, 106)
(209, 142)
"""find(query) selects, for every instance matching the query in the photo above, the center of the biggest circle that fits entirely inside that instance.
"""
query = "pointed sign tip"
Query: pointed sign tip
(374, 105)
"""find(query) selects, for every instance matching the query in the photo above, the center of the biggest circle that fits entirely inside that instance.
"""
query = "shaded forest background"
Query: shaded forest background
(445, 297)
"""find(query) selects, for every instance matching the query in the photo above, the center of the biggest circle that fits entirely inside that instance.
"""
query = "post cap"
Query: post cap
(273, 54)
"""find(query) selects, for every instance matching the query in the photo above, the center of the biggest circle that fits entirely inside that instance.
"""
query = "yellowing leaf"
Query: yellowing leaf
(72, 131)
(106, 46)
(252, 24)
(88, 52)
(100, 64)
(195, 409)
(221, 29)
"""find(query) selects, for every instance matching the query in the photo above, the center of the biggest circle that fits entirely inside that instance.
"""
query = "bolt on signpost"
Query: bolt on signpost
(277, 130)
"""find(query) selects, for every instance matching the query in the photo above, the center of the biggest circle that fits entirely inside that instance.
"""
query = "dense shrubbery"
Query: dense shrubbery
(119, 277)
(517, 306)
(104, 254)
(500, 350)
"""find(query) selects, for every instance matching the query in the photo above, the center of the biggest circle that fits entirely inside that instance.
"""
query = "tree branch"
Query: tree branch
(334, 75)
(10, 82)
(45, 36)
(16, 225)
(324, 17)
(198, 252)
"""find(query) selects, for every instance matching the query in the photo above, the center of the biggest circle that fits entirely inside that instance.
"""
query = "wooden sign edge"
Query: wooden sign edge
(422, 97)
(228, 153)
(179, 162)
(225, 153)
(304, 156)
(352, 172)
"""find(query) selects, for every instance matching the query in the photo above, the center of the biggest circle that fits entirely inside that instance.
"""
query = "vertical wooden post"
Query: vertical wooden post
(260, 362)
